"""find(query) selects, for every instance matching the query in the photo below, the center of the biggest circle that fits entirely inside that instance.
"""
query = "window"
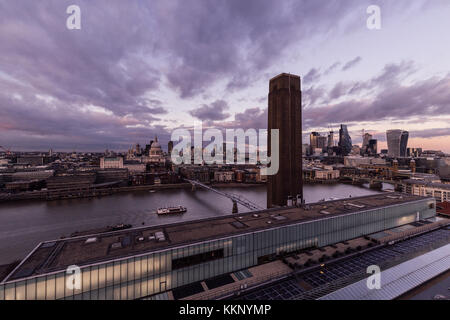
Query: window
(197, 259)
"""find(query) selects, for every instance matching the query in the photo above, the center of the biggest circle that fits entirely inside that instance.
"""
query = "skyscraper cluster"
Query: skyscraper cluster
(369, 145)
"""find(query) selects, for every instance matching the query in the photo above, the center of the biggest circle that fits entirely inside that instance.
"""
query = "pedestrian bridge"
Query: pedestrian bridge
(235, 198)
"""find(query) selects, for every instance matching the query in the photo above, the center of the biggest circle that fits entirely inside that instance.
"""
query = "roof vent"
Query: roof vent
(91, 240)
(359, 206)
(116, 245)
(160, 236)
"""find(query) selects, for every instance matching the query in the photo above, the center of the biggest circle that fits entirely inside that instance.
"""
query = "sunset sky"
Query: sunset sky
(140, 68)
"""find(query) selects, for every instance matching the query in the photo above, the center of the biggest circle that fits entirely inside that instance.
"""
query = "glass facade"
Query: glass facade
(397, 141)
(152, 273)
(345, 141)
(404, 143)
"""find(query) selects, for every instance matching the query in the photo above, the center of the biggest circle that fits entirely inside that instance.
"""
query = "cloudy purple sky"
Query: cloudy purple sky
(140, 68)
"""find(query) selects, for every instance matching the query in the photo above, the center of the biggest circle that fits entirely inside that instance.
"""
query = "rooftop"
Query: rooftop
(51, 256)
(443, 208)
(428, 184)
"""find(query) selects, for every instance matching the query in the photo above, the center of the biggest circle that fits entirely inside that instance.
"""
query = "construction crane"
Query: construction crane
(7, 150)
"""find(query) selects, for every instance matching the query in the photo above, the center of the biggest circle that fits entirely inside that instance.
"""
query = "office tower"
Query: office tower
(365, 144)
(224, 152)
(397, 141)
(170, 147)
(372, 148)
(313, 141)
(322, 142)
(285, 114)
(404, 143)
(345, 141)
(331, 139)
(366, 138)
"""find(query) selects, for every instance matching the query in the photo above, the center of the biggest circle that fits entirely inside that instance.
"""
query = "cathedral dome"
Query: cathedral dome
(156, 149)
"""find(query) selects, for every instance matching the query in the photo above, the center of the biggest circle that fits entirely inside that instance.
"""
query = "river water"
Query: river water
(24, 224)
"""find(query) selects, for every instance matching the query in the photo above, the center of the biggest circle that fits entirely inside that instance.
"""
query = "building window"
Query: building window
(197, 259)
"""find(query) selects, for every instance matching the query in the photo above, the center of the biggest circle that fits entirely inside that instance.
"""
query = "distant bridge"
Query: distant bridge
(235, 198)
(374, 182)
(371, 179)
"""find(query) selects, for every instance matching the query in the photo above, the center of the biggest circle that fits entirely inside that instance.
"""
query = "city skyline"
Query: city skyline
(111, 85)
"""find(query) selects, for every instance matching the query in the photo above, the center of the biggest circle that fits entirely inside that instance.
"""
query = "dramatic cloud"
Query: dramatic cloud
(312, 95)
(237, 40)
(252, 118)
(430, 133)
(214, 111)
(312, 76)
(430, 97)
(351, 63)
(332, 68)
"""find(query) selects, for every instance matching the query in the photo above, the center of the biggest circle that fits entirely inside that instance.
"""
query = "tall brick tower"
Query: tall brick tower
(285, 114)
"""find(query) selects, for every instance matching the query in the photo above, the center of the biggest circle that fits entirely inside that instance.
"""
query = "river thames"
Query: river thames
(24, 224)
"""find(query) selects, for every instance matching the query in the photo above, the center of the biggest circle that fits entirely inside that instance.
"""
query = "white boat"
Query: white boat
(171, 210)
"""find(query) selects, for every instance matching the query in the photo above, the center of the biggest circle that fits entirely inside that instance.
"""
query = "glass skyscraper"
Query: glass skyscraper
(397, 141)
(345, 141)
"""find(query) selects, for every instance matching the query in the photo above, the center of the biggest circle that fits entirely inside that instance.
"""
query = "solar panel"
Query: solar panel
(23, 273)
(238, 225)
(188, 290)
(219, 281)
(281, 291)
(345, 268)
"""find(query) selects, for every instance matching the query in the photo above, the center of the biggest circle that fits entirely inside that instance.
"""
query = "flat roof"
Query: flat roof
(56, 255)
(285, 74)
